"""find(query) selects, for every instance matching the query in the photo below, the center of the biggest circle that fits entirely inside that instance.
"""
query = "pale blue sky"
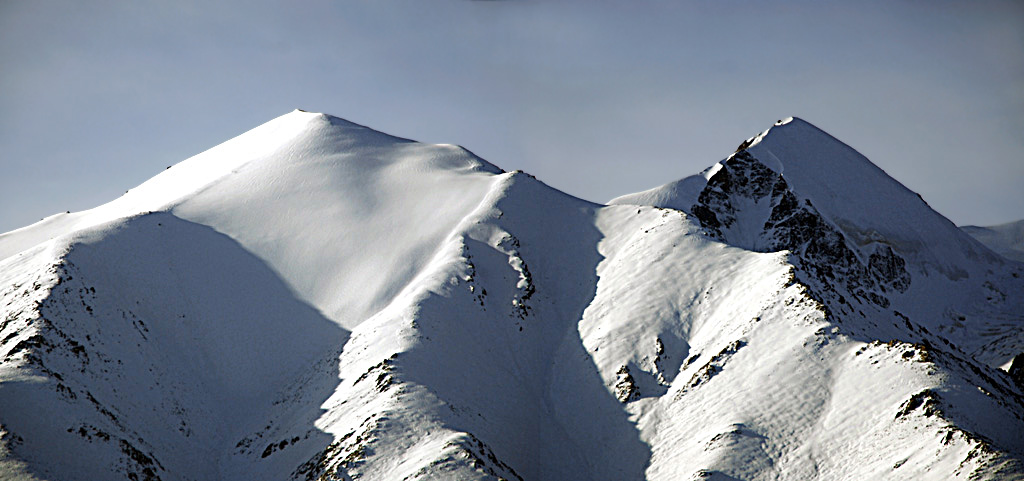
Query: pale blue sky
(595, 98)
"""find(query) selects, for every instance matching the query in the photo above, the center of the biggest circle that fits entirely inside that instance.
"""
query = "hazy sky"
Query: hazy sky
(595, 98)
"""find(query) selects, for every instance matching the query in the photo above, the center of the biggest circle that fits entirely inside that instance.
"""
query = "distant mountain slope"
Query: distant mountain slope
(317, 300)
(1006, 239)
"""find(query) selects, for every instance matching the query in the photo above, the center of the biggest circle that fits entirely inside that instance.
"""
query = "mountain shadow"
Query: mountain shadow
(165, 350)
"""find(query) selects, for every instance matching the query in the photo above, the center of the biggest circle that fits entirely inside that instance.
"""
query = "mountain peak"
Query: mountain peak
(314, 153)
(853, 193)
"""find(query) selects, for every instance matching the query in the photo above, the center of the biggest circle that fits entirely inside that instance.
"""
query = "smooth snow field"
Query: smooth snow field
(316, 300)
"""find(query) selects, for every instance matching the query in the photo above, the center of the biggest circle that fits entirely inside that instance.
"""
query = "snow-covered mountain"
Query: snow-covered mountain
(1005, 239)
(318, 300)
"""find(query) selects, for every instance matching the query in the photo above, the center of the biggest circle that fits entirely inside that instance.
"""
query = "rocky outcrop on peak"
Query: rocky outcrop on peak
(746, 203)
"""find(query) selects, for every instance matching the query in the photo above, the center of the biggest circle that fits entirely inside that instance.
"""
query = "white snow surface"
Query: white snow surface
(317, 300)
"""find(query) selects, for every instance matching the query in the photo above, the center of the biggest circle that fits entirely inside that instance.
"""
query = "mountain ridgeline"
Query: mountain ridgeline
(317, 300)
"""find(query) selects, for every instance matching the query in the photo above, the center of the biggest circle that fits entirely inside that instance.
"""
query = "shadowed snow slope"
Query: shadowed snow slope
(317, 300)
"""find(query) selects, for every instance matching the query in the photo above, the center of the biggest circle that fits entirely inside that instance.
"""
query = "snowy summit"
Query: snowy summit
(317, 300)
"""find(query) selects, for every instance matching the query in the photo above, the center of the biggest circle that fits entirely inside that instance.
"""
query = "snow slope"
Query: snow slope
(327, 203)
(794, 187)
(317, 300)
(1006, 239)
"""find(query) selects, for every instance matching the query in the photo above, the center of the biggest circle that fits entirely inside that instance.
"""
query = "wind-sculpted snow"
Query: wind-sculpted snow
(316, 300)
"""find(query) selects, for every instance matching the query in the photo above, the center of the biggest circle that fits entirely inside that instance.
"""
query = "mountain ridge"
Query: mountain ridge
(338, 303)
